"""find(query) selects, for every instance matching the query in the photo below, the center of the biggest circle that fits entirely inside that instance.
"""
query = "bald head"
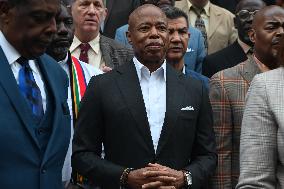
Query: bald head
(142, 11)
(267, 28)
(266, 14)
(148, 35)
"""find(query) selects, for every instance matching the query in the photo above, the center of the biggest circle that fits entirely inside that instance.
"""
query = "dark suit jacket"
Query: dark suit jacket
(113, 53)
(118, 12)
(22, 163)
(113, 113)
(225, 58)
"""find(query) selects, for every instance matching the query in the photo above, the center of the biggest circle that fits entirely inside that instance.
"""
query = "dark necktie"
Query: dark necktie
(85, 47)
(199, 24)
(29, 88)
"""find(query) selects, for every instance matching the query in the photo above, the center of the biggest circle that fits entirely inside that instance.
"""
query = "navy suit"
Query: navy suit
(196, 51)
(32, 155)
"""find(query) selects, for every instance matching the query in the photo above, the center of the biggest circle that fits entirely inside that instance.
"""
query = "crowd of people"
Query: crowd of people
(108, 94)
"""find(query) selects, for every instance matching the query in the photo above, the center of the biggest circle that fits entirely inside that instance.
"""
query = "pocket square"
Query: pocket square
(187, 108)
(189, 50)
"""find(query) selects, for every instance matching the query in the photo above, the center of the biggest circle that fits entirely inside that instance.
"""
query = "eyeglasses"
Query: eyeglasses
(245, 14)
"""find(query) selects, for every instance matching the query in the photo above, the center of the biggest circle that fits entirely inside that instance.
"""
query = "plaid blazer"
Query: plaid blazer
(227, 93)
(262, 135)
(113, 53)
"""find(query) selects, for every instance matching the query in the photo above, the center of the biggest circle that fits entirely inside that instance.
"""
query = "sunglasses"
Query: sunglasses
(245, 14)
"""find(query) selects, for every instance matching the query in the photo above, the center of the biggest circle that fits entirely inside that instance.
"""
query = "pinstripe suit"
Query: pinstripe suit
(262, 135)
(227, 93)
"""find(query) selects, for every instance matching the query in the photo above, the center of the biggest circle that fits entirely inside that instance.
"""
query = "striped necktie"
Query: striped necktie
(29, 88)
(199, 24)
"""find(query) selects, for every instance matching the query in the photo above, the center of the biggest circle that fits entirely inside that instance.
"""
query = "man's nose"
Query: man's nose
(154, 32)
(175, 37)
(92, 9)
(61, 29)
(52, 28)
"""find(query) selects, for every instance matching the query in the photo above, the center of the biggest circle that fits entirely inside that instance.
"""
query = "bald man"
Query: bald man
(261, 144)
(228, 90)
(155, 124)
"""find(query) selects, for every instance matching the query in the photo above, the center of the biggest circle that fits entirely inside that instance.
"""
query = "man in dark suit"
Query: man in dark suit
(35, 120)
(88, 44)
(178, 42)
(118, 12)
(155, 130)
(241, 48)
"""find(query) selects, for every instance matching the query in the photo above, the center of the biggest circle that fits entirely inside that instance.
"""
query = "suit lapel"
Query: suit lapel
(214, 20)
(106, 55)
(174, 98)
(9, 84)
(250, 70)
(129, 86)
(50, 83)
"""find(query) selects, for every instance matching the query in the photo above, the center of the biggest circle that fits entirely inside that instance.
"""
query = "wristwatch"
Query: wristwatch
(187, 179)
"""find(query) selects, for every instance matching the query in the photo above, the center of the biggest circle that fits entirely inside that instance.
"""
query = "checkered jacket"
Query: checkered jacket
(227, 93)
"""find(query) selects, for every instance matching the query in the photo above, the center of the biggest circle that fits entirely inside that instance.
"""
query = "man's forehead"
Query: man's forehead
(91, 1)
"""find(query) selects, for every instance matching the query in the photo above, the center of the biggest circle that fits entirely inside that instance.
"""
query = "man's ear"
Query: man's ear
(251, 34)
(5, 7)
(128, 36)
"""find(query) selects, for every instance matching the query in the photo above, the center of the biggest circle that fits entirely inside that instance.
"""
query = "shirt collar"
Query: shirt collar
(64, 61)
(260, 65)
(139, 67)
(95, 44)
(244, 46)
(10, 52)
(206, 7)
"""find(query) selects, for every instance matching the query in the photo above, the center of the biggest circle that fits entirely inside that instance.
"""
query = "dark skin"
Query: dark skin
(267, 28)
(35, 19)
(148, 35)
(244, 25)
(149, 38)
(62, 40)
(280, 54)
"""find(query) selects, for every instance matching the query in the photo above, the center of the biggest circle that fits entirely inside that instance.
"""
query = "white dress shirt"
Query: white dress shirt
(153, 86)
(89, 71)
(12, 55)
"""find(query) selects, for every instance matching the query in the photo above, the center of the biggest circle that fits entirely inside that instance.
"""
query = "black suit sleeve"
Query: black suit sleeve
(88, 138)
(204, 155)
(207, 68)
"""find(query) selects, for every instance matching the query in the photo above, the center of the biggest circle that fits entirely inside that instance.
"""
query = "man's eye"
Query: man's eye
(144, 29)
(162, 28)
(40, 17)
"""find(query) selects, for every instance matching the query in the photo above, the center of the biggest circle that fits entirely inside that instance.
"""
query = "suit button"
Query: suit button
(40, 131)
(43, 171)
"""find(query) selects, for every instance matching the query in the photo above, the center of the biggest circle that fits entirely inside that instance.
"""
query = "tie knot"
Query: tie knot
(197, 11)
(85, 47)
(23, 61)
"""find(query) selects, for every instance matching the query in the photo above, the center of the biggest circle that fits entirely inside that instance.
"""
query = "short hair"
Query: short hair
(174, 13)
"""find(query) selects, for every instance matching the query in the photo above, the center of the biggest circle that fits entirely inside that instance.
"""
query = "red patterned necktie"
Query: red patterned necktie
(84, 52)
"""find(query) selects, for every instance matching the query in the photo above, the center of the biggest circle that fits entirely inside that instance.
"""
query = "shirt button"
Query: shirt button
(43, 171)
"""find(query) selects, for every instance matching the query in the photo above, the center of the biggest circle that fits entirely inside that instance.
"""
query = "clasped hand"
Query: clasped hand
(155, 176)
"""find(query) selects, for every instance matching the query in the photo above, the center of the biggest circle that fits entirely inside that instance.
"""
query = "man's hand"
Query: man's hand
(106, 69)
(141, 178)
(160, 175)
